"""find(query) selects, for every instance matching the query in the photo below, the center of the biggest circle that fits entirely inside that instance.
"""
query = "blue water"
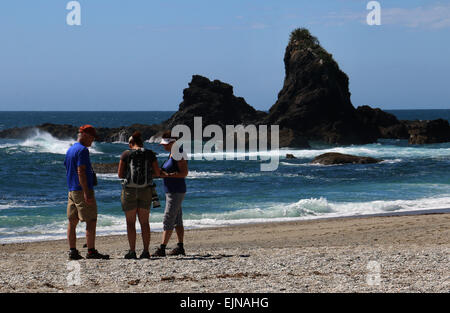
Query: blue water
(33, 188)
(99, 119)
(421, 114)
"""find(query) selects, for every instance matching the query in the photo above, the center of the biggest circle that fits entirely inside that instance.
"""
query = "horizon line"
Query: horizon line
(89, 111)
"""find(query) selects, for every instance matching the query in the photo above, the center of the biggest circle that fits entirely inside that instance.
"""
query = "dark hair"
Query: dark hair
(168, 134)
(136, 139)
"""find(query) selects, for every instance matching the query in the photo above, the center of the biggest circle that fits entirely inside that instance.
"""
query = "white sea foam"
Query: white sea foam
(384, 151)
(26, 205)
(7, 145)
(13, 205)
(304, 209)
(308, 164)
(307, 209)
(110, 177)
(206, 175)
(197, 174)
(392, 161)
(43, 142)
(389, 161)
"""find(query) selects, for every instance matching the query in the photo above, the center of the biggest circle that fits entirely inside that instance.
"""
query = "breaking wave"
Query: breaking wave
(304, 209)
(43, 142)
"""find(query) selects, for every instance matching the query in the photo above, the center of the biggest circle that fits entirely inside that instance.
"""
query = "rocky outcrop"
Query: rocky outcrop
(70, 132)
(122, 134)
(313, 105)
(105, 168)
(291, 138)
(417, 132)
(425, 132)
(315, 98)
(386, 124)
(215, 102)
(376, 116)
(56, 130)
(332, 158)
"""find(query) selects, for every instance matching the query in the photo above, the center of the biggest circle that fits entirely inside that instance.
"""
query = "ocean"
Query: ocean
(33, 192)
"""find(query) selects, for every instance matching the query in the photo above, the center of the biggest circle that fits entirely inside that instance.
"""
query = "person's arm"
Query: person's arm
(83, 161)
(183, 170)
(156, 170)
(123, 163)
(84, 184)
(121, 170)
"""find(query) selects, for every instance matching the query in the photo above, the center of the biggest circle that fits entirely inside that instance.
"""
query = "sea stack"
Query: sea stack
(215, 102)
(315, 98)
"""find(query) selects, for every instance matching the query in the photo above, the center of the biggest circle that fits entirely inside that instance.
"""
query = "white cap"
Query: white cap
(166, 141)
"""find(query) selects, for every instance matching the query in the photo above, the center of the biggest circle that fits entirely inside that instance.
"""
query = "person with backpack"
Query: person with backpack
(173, 171)
(137, 168)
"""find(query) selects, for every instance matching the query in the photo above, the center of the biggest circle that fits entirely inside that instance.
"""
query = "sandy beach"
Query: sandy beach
(365, 254)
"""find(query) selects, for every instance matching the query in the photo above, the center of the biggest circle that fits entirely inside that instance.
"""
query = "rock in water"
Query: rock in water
(314, 104)
(387, 124)
(57, 131)
(339, 158)
(70, 132)
(315, 98)
(422, 132)
(215, 102)
(105, 168)
(417, 132)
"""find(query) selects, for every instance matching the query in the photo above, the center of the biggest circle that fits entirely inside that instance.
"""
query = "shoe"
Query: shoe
(144, 255)
(74, 255)
(177, 251)
(96, 255)
(130, 255)
(159, 252)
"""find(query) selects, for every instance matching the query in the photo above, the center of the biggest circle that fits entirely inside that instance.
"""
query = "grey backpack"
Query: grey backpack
(139, 169)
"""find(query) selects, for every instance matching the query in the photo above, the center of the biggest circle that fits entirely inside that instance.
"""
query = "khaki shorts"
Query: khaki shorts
(78, 208)
(134, 198)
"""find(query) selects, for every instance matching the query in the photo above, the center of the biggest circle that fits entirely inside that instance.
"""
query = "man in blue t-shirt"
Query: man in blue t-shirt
(81, 204)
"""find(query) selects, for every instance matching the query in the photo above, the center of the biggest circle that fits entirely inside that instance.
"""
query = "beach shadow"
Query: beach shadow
(203, 257)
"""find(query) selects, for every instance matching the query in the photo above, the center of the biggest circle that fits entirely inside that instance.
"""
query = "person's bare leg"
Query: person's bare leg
(180, 233)
(90, 233)
(72, 233)
(166, 236)
(131, 228)
(143, 216)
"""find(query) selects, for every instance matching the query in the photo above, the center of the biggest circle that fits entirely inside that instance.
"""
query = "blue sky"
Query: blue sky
(140, 55)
